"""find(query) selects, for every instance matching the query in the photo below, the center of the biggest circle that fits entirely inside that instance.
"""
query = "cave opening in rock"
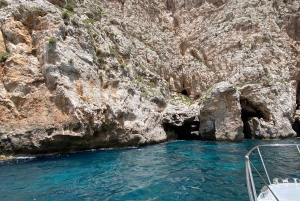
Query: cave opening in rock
(184, 92)
(298, 96)
(189, 130)
(248, 112)
(296, 124)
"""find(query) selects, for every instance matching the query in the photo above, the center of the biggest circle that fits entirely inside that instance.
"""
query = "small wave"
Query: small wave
(119, 148)
(25, 157)
(13, 159)
(195, 187)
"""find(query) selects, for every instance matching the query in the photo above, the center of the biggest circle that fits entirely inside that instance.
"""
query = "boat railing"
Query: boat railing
(249, 176)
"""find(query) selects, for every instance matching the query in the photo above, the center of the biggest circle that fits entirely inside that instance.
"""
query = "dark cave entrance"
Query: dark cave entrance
(248, 112)
(189, 130)
(298, 96)
(184, 92)
(296, 124)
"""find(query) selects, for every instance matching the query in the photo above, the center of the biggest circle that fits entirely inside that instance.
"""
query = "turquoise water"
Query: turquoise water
(181, 170)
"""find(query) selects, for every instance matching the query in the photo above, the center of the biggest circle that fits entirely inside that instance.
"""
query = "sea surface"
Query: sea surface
(179, 170)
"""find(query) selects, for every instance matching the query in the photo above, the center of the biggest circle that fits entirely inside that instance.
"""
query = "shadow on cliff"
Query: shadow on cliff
(189, 130)
(296, 124)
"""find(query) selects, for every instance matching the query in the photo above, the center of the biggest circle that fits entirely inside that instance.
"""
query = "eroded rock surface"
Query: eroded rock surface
(267, 118)
(85, 74)
(221, 114)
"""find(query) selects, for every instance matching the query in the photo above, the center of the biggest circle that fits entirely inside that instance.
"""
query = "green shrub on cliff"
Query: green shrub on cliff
(66, 15)
(3, 56)
(70, 5)
(101, 59)
(99, 52)
(52, 40)
(145, 94)
(75, 22)
(112, 51)
(143, 68)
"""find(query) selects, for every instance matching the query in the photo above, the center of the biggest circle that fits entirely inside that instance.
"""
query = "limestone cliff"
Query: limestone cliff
(83, 74)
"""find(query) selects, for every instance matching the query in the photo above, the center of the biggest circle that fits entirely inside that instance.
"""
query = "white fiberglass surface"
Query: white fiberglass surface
(283, 191)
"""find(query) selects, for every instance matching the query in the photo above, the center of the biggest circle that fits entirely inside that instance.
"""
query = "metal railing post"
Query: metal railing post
(262, 160)
(250, 193)
(249, 176)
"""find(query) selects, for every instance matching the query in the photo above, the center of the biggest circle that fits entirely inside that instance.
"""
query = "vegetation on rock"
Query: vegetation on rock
(3, 56)
(133, 68)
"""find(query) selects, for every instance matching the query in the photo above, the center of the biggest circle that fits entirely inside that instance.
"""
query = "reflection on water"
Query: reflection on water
(182, 170)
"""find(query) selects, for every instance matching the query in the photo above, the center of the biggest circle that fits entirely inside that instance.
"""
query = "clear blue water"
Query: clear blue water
(181, 170)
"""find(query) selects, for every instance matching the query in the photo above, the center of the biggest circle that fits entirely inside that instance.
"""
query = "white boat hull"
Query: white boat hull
(283, 191)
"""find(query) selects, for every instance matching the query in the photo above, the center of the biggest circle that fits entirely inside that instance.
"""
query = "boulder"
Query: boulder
(220, 114)
(268, 112)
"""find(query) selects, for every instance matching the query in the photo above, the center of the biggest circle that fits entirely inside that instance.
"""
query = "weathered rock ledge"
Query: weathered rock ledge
(82, 74)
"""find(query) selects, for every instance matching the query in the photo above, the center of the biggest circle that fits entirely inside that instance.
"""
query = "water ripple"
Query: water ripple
(182, 170)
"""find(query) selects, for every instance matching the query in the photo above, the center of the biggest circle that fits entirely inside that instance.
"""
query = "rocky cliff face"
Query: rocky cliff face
(88, 74)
